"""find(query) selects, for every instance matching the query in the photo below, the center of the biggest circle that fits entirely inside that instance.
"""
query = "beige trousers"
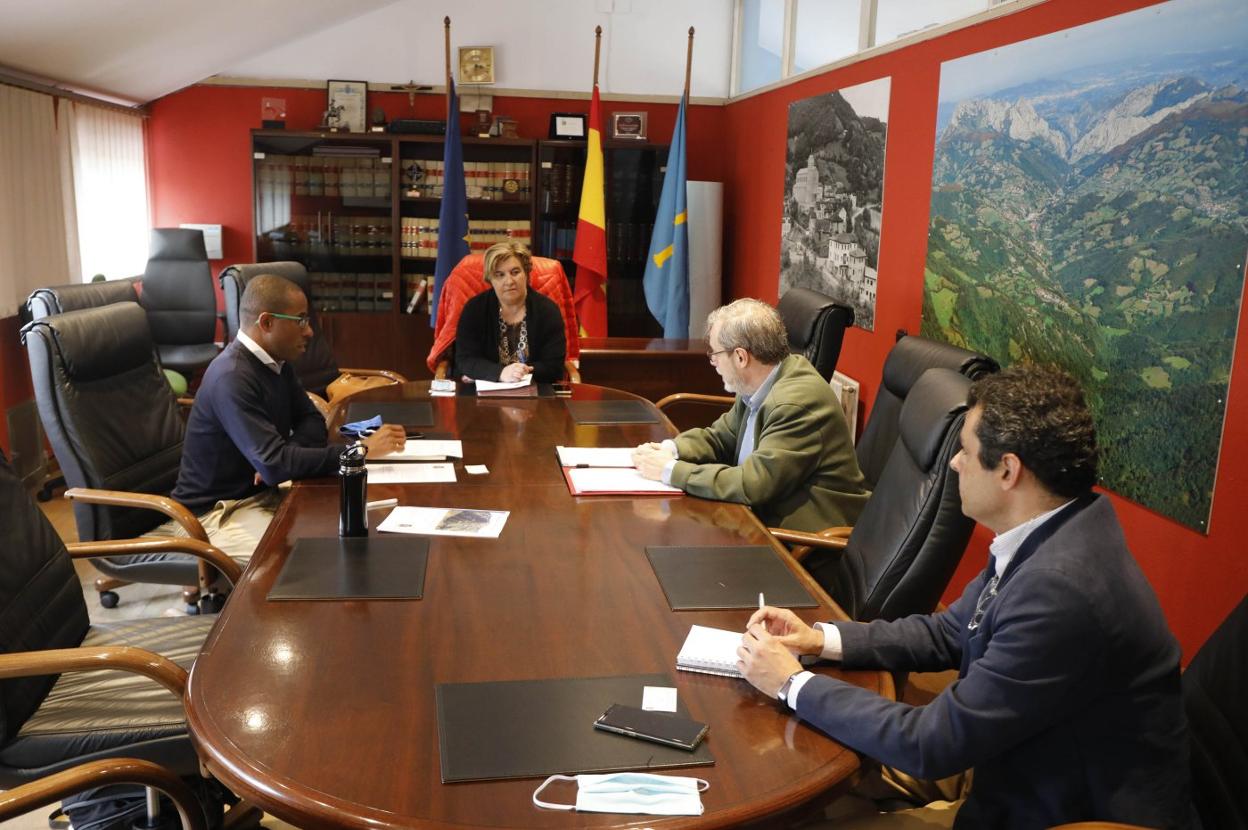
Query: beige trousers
(234, 525)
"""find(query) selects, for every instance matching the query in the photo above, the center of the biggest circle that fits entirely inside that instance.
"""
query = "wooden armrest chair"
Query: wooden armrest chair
(114, 426)
(58, 708)
(318, 370)
(61, 785)
(911, 535)
(467, 280)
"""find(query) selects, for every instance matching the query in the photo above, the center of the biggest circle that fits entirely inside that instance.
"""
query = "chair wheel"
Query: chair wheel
(211, 603)
(192, 609)
(109, 599)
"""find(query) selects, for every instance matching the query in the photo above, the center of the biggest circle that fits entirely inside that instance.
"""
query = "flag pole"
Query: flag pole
(446, 27)
(689, 62)
(597, 50)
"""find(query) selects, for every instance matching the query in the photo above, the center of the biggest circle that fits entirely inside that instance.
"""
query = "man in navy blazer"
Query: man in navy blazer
(1067, 700)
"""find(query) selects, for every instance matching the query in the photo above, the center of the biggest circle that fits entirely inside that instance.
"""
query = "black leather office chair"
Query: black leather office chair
(179, 299)
(57, 707)
(114, 426)
(909, 358)
(816, 327)
(316, 367)
(44, 302)
(57, 299)
(901, 554)
(1215, 688)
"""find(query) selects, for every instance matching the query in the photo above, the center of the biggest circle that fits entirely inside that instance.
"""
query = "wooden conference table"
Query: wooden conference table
(323, 713)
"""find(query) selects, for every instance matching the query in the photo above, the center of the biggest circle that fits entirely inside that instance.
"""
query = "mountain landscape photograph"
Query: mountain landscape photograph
(833, 189)
(1090, 209)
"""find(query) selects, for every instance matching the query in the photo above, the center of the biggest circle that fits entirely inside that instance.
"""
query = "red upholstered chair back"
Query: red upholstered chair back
(467, 280)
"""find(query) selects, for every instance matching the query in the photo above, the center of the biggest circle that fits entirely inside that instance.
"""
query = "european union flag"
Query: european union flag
(453, 215)
(666, 280)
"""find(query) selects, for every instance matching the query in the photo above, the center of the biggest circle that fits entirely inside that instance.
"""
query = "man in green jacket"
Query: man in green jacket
(783, 449)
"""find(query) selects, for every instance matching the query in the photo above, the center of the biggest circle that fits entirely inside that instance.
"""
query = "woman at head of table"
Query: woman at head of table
(509, 332)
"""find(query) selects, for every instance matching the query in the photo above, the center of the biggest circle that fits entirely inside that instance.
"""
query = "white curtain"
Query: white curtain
(109, 195)
(33, 239)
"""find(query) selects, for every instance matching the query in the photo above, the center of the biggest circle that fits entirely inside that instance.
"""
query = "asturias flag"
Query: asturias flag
(666, 280)
(453, 215)
(590, 253)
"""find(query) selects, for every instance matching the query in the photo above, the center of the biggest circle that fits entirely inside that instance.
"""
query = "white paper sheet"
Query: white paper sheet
(407, 473)
(615, 480)
(595, 456)
(659, 698)
(445, 521)
(499, 386)
(424, 449)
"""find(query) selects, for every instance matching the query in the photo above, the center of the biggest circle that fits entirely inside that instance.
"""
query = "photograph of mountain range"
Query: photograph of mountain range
(1090, 209)
(833, 186)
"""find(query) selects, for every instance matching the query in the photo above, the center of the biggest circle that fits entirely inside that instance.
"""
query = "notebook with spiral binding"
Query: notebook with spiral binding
(710, 651)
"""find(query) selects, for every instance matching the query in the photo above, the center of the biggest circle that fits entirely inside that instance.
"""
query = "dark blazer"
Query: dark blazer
(476, 338)
(1067, 701)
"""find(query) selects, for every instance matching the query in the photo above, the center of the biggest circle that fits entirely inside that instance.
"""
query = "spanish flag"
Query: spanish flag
(590, 253)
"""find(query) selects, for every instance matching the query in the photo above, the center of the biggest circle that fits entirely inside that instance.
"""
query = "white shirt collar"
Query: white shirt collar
(1007, 544)
(261, 354)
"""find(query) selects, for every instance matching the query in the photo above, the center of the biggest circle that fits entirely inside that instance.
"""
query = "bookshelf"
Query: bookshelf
(633, 181)
(360, 211)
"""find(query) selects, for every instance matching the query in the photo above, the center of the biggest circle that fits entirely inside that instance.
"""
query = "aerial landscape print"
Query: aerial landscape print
(1090, 209)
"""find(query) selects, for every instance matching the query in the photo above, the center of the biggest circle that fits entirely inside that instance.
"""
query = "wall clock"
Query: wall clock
(476, 64)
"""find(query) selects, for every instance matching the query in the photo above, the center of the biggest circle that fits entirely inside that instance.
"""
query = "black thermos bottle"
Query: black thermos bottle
(353, 492)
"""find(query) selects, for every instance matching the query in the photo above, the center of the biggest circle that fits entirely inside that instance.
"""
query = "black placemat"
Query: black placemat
(404, 413)
(611, 412)
(366, 567)
(696, 578)
(531, 728)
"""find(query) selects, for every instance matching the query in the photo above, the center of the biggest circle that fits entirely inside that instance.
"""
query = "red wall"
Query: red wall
(199, 145)
(1199, 578)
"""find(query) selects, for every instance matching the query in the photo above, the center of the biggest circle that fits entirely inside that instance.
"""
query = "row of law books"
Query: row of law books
(324, 233)
(419, 235)
(317, 176)
(488, 180)
(335, 291)
(561, 186)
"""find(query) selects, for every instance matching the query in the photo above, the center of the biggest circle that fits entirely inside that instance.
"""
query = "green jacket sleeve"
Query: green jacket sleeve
(787, 451)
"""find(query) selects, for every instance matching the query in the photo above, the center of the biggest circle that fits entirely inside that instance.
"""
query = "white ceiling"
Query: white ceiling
(139, 50)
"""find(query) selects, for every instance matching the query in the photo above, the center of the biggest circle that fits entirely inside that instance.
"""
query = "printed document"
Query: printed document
(595, 456)
(406, 473)
(445, 521)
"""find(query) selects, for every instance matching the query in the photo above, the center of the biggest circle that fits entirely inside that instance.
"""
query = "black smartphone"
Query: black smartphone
(660, 727)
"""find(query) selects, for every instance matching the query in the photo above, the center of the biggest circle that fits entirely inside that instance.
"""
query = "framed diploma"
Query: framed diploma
(568, 125)
(346, 106)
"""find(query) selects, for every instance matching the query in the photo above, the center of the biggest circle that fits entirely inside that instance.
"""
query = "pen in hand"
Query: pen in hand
(761, 601)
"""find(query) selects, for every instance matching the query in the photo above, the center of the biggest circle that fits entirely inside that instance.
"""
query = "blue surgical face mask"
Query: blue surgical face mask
(631, 793)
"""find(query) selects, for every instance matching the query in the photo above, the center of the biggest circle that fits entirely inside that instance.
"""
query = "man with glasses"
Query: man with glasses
(783, 449)
(1067, 702)
(252, 425)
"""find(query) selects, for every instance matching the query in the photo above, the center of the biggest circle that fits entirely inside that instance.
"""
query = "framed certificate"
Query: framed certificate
(346, 106)
(628, 125)
(568, 125)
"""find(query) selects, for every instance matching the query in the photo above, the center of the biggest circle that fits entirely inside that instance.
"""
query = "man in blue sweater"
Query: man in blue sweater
(1067, 700)
(252, 425)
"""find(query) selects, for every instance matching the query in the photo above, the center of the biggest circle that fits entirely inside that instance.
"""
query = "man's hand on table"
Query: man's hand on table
(650, 459)
(388, 439)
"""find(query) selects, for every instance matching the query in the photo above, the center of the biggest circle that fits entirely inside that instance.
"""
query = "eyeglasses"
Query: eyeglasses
(981, 605)
(710, 355)
(303, 320)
